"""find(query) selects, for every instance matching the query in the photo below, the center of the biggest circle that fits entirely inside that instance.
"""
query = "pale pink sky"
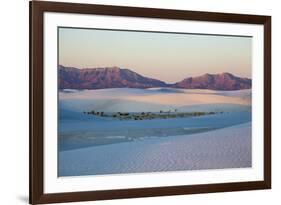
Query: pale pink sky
(165, 56)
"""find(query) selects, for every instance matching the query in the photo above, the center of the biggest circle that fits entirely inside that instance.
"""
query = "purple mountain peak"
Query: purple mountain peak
(116, 77)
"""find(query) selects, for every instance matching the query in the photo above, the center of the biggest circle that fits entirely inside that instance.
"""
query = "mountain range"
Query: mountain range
(115, 77)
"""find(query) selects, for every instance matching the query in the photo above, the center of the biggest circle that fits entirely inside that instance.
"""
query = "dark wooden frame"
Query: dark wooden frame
(37, 8)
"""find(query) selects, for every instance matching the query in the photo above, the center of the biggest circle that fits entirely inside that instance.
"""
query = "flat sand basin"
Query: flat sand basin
(218, 149)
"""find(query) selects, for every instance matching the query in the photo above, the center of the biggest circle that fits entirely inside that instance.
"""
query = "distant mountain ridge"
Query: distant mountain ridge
(115, 77)
(99, 78)
(224, 81)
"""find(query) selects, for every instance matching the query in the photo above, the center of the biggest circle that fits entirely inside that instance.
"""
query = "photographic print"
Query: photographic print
(139, 101)
(130, 102)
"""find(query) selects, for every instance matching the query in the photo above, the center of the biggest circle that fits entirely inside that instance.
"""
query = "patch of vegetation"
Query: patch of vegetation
(149, 115)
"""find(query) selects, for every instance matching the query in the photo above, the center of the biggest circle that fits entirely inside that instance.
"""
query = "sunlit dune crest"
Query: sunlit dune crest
(189, 99)
(157, 96)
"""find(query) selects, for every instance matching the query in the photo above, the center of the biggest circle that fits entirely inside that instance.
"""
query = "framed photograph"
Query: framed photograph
(139, 102)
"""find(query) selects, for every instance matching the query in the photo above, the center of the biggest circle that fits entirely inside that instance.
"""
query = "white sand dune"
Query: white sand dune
(195, 97)
(219, 149)
(152, 100)
(188, 99)
(158, 145)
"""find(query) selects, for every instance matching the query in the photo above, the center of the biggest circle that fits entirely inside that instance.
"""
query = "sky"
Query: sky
(169, 57)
